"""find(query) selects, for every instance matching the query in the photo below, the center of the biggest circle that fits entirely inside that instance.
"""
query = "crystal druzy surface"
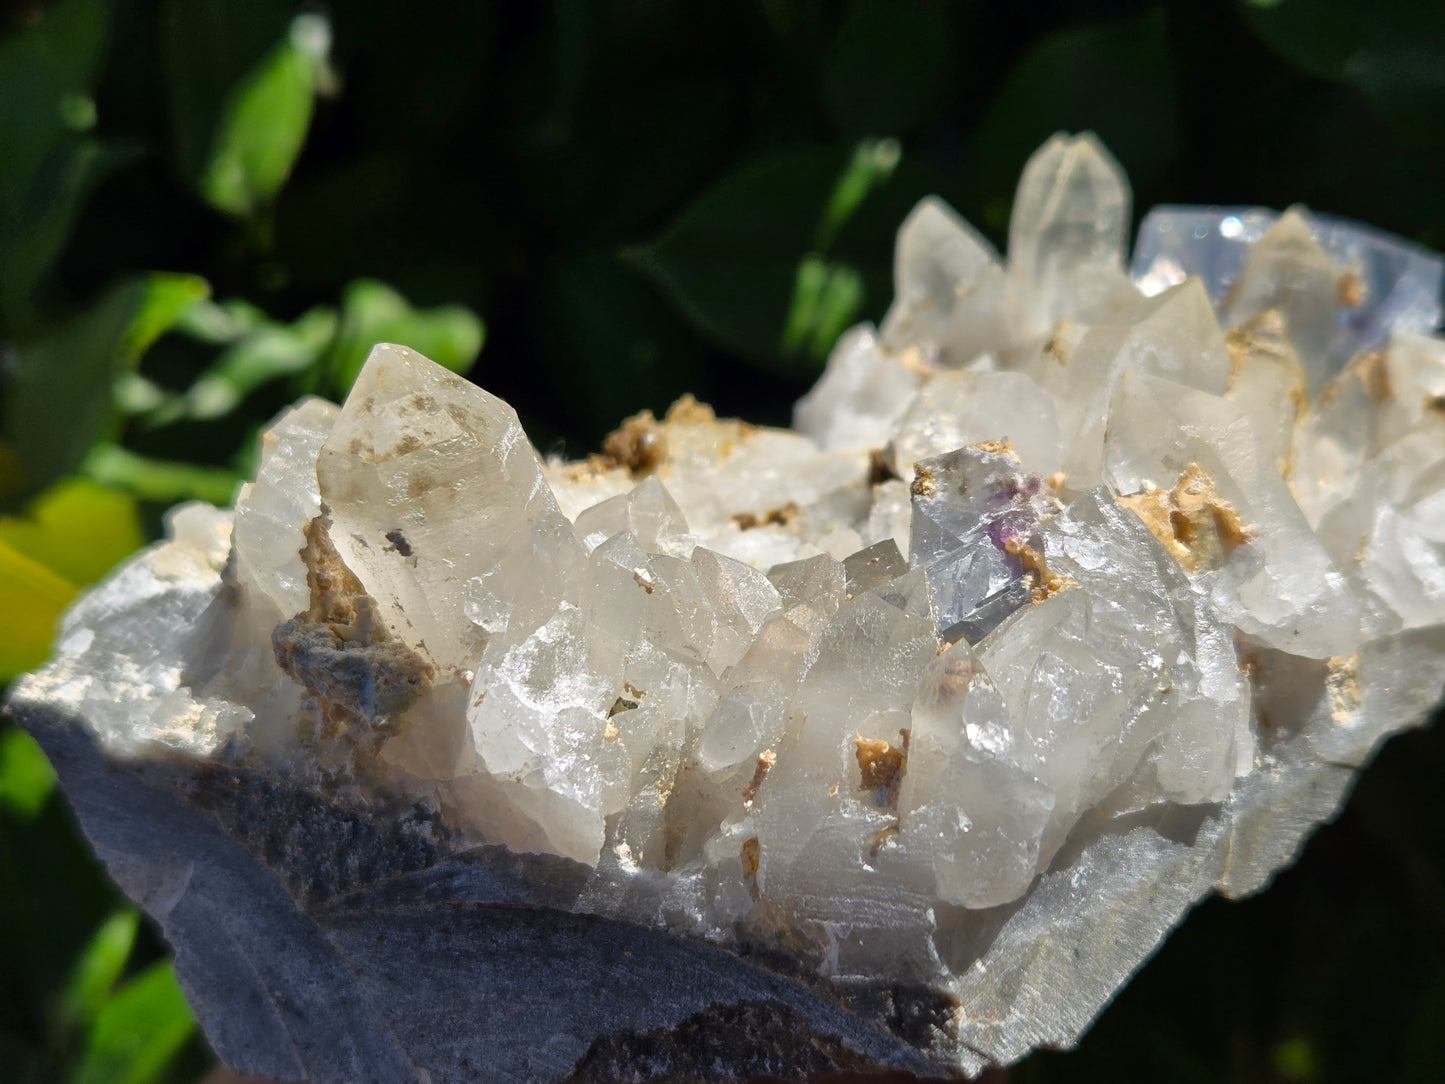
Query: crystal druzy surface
(1072, 597)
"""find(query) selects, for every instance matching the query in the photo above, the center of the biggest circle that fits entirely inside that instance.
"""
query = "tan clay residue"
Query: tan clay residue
(751, 856)
(694, 432)
(1349, 290)
(882, 766)
(960, 673)
(337, 598)
(783, 516)
(1055, 349)
(994, 447)
(1342, 684)
(627, 702)
(1057, 479)
(1264, 336)
(1264, 341)
(1046, 581)
(880, 467)
(912, 359)
(339, 650)
(665, 785)
(766, 759)
(637, 444)
(688, 411)
(881, 838)
(1198, 527)
(1374, 374)
(924, 482)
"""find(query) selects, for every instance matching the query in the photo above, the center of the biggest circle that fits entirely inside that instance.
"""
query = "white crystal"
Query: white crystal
(1067, 242)
(1137, 524)
(941, 268)
(857, 401)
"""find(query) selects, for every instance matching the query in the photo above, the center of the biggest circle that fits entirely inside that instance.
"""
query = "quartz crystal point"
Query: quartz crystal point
(946, 276)
(1067, 236)
(900, 739)
(436, 494)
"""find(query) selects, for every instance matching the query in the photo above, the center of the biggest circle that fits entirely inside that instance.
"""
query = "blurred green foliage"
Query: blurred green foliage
(210, 207)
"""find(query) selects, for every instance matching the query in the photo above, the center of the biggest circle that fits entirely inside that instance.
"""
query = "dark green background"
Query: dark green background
(645, 198)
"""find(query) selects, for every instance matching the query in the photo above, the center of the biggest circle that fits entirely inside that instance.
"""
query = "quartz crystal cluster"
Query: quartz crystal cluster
(1072, 595)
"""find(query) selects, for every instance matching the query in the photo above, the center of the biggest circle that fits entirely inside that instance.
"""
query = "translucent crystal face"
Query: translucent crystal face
(1050, 554)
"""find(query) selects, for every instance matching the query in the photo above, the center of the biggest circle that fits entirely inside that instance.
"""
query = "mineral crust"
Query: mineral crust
(1072, 598)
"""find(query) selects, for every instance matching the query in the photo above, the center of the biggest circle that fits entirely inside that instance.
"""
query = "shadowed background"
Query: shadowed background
(209, 207)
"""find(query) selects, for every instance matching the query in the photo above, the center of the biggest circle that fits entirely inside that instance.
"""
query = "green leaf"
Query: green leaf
(616, 346)
(165, 299)
(731, 261)
(1114, 77)
(221, 322)
(1405, 79)
(98, 969)
(26, 777)
(874, 161)
(372, 312)
(746, 262)
(47, 73)
(164, 481)
(268, 352)
(135, 394)
(1392, 51)
(885, 73)
(61, 398)
(260, 132)
(137, 1032)
(1296, 1060)
(207, 48)
(826, 300)
(30, 243)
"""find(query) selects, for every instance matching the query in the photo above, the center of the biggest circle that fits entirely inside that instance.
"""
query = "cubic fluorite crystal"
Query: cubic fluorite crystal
(1071, 599)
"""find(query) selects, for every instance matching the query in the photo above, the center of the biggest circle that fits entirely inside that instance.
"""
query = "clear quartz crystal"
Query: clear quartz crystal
(1138, 523)
(941, 267)
(1066, 244)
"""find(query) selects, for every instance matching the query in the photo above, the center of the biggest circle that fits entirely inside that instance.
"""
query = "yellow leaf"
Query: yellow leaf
(77, 529)
(70, 536)
(31, 597)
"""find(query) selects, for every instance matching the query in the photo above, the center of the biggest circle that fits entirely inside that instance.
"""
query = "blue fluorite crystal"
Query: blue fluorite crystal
(1399, 282)
(969, 506)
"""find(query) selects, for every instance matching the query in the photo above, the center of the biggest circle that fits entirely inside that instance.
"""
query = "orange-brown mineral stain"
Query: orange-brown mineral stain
(1199, 528)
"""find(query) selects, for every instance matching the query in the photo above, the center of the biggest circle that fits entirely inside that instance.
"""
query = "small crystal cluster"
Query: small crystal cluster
(1054, 548)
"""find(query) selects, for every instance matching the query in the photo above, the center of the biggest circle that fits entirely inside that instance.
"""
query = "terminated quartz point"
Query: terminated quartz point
(899, 739)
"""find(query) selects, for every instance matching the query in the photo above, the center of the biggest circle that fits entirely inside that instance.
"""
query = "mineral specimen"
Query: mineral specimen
(1069, 601)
